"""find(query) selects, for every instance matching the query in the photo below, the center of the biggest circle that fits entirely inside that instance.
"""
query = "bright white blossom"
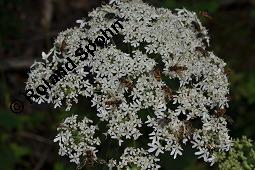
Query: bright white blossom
(75, 138)
(137, 158)
(158, 65)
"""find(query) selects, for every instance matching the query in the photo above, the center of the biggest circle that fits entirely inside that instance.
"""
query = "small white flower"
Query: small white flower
(156, 147)
(45, 56)
(176, 150)
(81, 22)
(114, 1)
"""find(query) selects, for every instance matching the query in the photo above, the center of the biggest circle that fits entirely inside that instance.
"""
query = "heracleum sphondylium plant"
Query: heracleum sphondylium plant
(158, 65)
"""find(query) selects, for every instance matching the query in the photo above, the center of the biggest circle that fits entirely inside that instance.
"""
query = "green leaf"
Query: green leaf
(9, 120)
(19, 151)
(58, 166)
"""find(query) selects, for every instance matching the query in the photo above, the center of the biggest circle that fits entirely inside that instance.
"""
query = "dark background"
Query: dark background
(29, 27)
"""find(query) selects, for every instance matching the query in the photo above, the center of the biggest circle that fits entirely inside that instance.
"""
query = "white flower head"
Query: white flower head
(159, 67)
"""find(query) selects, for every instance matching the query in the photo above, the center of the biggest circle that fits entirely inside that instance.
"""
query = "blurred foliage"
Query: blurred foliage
(26, 140)
(241, 156)
(10, 24)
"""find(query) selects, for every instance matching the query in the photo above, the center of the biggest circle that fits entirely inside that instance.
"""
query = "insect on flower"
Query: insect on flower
(62, 126)
(178, 69)
(89, 160)
(211, 146)
(205, 14)
(185, 130)
(196, 26)
(220, 112)
(168, 92)
(163, 122)
(127, 82)
(202, 51)
(62, 45)
(157, 73)
(113, 102)
(198, 29)
(228, 72)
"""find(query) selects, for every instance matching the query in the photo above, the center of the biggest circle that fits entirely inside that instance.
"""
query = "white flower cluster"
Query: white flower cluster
(159, 65)
(76, 138)
(137, 158)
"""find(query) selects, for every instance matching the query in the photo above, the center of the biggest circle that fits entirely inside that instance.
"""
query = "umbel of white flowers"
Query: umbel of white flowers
(63, 70)
(158, 66)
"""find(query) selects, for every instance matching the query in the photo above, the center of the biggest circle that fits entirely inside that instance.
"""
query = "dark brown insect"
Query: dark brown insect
(157, 74)
(90, 158)
(229, 97)
(196, 26)
(168, 92)
(203, 51)
(220, 112)
(185, 130)
(163, 122)
(205, 14)
(113, 102)
(211, 146)
(227, 71)
(62, 45)
(62, 126)
(178, 69)
(127, 83)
